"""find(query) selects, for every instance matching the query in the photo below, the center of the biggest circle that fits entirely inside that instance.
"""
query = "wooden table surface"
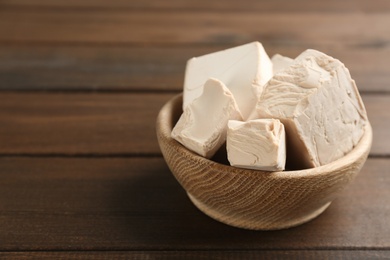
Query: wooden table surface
(81, 83)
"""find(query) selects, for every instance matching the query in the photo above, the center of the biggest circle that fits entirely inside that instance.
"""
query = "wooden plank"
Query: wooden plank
(153, 27)
(40, 123)
(246, 5)
(92, 68)
(101, 124)
(152, 68)
(377, 109)
(263, 254)
(136, 204)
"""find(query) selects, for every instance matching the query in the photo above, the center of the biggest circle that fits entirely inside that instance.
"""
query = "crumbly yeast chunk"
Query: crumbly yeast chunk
(319, 104)
(257, 144)
(202, 126)
(244, 70)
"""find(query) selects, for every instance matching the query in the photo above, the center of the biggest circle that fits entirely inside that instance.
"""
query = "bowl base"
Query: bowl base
(253, 224)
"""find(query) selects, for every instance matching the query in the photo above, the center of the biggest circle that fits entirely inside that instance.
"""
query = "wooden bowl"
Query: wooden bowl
(254, 199)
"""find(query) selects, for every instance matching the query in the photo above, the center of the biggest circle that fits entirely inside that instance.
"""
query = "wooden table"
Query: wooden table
(81, 173)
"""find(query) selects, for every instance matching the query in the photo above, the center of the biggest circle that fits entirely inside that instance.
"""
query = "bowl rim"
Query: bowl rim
(166, 114)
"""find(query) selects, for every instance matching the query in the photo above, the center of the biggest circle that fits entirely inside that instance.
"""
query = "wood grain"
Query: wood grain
(153, 68)
(263, 254)
(118, 123)
(231, 5)
(136, 204)
(380, 119)
(175, 28)
(80, 124)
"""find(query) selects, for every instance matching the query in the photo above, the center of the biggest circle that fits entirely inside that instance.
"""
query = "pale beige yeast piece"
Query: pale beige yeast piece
(243, 69)
(280, 62)
(202, 126)
(318, 102)
(256, 144)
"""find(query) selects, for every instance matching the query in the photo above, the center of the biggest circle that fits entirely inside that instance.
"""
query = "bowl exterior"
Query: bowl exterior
(254, 199)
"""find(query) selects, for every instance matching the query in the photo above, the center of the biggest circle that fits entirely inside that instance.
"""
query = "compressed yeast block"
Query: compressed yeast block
(257, 144)
(280, 62)
(202, 126)
(319, 104)
(244, 70)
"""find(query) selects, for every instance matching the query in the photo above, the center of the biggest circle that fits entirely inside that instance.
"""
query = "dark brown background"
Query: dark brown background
(81, 83)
